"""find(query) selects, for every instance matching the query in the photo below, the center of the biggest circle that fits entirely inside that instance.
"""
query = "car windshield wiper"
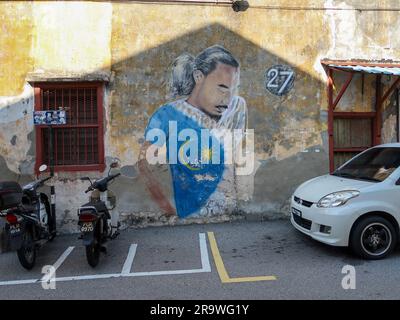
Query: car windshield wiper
(369, 179)
(344, 175)
(351, 176)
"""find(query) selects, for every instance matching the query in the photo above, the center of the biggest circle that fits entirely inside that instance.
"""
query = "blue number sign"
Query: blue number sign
(279, 79)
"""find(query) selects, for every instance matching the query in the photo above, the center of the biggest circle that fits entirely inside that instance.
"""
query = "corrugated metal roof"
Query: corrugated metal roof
(376, 70)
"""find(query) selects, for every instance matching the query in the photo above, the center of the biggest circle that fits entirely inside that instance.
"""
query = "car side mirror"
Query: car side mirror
(397, 182)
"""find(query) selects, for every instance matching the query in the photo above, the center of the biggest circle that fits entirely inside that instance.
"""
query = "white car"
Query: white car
(358, 205)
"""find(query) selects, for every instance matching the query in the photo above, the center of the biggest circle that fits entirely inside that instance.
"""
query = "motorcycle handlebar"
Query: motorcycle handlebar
(113, 176)
(38, 183)
(45, 179)
(89, 189)
(96, 183)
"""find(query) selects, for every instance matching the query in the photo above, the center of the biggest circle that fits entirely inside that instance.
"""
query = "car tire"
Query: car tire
(373, 238)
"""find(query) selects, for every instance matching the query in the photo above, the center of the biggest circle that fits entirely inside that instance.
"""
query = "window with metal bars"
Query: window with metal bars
(78, 145)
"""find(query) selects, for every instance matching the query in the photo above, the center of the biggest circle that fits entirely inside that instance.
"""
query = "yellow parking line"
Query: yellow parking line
(217, 258)
(223, 274)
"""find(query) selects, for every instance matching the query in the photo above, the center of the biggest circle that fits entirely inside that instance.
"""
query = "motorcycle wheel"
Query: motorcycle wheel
(93, 254)
(51, 237)
(27, 252)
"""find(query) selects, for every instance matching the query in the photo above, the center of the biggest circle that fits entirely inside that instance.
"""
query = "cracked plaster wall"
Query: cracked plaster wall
(134, 43)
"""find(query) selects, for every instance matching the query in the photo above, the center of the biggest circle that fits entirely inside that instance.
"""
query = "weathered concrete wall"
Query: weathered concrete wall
(390, 126)
(135, 44)
(363, 34)
(285, 127)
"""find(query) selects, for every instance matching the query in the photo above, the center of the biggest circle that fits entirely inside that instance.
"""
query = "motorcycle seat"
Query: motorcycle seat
(100, 207)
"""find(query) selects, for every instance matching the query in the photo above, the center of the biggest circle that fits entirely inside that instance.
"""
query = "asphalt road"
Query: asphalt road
(168, 264)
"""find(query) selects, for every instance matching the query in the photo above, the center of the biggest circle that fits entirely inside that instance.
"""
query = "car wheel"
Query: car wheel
(373, 238)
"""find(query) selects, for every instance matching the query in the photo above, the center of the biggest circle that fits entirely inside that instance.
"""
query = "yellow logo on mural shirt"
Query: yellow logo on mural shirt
(206, 156)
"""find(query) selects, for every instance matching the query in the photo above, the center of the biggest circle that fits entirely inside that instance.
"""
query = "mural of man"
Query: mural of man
(208, 83)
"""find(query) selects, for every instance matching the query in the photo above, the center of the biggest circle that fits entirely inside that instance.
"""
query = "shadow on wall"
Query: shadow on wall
(17, 145)
(138, 87)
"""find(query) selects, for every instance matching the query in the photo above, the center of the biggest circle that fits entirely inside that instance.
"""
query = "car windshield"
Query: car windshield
(374, 165)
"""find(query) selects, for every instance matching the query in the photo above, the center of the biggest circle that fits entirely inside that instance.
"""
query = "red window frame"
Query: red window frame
(39, 129)
(380, 98)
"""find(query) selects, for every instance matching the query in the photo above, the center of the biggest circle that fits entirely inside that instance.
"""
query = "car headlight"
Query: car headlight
(337, 199)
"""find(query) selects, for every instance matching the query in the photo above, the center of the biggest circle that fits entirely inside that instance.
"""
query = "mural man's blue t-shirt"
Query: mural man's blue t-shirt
(194, 182)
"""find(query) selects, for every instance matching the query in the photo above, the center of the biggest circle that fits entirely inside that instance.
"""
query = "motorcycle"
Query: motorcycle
(29, 220)
(94, 218)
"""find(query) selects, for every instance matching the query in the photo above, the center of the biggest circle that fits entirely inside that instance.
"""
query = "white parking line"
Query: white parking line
(62, 258)
(11, 283)
(90, 277)
(56, 265)
(129, 260)
(163, 273)
(46, 277)
(205, 262)
(126, 270)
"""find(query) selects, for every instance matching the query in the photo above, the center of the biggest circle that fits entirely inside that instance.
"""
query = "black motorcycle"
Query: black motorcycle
(94, 218)
(29, 220)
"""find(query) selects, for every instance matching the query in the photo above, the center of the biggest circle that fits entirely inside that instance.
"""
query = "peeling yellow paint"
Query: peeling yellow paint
(72, 36)
(137, 42)
(15, 46)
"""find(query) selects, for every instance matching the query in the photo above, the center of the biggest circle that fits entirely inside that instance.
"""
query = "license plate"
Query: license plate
(14, 229)
(87, 227)
(297, 212)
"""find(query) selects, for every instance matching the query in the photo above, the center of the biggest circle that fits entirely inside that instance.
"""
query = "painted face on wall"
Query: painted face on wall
(214, 91)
